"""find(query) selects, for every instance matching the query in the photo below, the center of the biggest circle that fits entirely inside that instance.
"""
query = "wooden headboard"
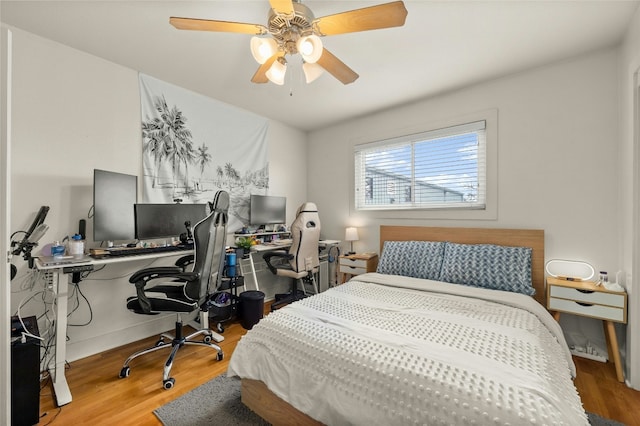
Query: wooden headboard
(533, 238)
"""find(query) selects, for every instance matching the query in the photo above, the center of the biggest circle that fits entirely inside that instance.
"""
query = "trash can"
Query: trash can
(220, 307)
(251, 308)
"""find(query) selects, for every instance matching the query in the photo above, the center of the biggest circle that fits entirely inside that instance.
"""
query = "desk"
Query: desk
(260, 249)
(56, 371)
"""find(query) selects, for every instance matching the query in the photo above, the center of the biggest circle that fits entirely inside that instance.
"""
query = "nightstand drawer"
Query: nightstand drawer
(351, 270)
(585, 298)
(608, 313)
(596, 297)
(357, 264)
(353, 263)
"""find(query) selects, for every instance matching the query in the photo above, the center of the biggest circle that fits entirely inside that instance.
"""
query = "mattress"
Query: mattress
(391, 350)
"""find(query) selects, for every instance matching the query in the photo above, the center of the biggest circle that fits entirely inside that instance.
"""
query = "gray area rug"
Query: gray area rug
(596, 420)
(217, 402)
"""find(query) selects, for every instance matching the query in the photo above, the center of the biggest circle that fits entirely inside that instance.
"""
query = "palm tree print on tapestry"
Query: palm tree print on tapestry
(193, 146)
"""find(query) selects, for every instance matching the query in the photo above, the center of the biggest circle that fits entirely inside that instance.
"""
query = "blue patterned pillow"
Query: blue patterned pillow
(418, 259)
(488, 266)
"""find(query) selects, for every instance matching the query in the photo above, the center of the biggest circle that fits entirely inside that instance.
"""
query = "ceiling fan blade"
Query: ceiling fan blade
(337, 68)
(261, 73)
(369, 18)
(221, 26)
(282, 6)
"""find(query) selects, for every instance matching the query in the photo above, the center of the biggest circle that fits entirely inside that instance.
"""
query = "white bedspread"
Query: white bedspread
(391, 350)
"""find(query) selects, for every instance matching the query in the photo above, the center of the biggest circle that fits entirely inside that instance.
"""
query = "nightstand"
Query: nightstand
(586, 299)
(356, 264)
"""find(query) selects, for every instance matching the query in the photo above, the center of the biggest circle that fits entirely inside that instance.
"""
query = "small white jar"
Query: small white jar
(76, 246)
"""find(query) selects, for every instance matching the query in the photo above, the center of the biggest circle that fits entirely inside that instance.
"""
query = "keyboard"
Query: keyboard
(135, 251)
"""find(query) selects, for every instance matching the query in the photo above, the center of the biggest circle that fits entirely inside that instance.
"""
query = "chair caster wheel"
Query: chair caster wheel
(124, 373)
(220, 328)
(207, 339)
(220, 356)
(160, 342)
(168, 384)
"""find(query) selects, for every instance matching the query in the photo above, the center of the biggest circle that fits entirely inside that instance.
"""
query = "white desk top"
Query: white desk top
(88, 260)
(276, 246)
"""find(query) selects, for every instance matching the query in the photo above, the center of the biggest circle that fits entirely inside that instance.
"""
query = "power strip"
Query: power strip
(77, 268)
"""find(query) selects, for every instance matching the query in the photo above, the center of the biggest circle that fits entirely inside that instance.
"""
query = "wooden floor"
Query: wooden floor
(101, 398)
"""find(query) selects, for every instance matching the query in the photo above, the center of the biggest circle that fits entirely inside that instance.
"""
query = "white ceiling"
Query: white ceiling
(444, 45)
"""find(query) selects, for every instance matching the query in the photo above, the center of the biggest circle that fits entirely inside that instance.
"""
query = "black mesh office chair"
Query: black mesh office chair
(301, 261)
(183, 291)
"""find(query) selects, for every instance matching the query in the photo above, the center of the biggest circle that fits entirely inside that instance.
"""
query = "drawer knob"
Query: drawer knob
(584, 304)
(585, 291)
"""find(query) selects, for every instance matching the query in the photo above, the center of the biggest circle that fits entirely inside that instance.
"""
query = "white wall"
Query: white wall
(558, 155)
(74, 112)
(5, 181)
(629, 161)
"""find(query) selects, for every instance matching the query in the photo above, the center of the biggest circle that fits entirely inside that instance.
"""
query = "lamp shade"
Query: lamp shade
(276, 73)
(351, 234)
(263, 48)
(310, 48)
(311, 71)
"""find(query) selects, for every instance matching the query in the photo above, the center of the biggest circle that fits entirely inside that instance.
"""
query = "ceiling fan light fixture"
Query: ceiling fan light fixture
(310, 47)
(262, 48)
(292, 28)
(276, 73)
(311, 71)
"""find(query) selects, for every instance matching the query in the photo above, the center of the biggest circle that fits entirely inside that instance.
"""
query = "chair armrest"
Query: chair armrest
(142, 277)
(281, 254)
(147, 274)
(185, 261)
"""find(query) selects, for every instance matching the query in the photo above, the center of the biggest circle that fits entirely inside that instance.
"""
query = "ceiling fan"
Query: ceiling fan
(292, 28)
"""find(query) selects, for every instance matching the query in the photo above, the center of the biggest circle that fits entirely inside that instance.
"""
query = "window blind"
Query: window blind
(441, 168)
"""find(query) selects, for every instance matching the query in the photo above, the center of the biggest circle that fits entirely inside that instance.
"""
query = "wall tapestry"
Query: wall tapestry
(193, 146)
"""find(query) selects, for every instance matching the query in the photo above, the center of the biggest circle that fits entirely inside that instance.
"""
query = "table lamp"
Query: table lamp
(351, 235)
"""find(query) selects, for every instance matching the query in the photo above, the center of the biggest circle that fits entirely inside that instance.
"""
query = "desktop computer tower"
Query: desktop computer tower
(25, 374)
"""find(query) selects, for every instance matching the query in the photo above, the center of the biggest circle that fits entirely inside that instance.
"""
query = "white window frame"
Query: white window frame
(447, 198)
(488, 211)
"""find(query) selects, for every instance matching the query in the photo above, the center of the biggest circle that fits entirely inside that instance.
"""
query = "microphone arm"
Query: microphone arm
(31, 237)
(33, 234)
(28, 243)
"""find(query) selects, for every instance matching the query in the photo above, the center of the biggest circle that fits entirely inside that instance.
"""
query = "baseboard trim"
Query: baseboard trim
(115, 338)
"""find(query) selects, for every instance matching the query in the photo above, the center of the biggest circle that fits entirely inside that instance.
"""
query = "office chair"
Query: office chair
(183, 291)
(301, 261)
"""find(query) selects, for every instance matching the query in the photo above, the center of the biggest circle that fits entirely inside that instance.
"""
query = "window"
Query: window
(437, 169)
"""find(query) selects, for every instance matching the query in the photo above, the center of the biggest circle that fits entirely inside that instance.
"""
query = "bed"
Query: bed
(450, 330)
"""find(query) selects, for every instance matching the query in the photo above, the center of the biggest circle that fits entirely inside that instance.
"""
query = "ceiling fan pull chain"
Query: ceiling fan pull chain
(291, 83)
(290, 77)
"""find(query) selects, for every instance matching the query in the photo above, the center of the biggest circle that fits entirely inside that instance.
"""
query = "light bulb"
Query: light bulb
(310, 47)
(263, 48)
(276, 73)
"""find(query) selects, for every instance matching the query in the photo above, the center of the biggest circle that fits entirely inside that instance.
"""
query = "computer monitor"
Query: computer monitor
(166, 220)
(114, 195)
(267, 210)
